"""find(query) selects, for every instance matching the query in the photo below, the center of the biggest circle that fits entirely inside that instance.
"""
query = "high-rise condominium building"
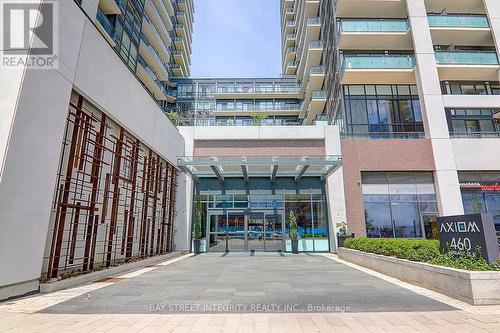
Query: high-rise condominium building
(385, 117)
(153, 38)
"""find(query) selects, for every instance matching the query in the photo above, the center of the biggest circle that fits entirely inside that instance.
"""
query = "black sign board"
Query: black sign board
(465, 233)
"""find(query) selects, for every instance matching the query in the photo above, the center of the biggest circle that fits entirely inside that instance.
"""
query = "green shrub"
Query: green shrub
(474, 262)
(411, 249)
(422, 250)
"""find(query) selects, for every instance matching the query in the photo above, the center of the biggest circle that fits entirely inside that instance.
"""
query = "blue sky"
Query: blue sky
(236, 38)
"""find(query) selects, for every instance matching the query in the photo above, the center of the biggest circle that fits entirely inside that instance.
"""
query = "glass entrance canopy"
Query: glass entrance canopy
(260, 166)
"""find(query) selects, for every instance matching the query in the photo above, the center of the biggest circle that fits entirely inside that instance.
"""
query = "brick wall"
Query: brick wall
(378, 155)
(259, 147)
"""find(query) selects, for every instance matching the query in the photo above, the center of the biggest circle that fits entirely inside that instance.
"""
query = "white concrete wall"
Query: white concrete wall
(477, 154)
(436, 127)
(493, 11)
(334, 186)
(257, 132)
(36, 117)
(471, 101)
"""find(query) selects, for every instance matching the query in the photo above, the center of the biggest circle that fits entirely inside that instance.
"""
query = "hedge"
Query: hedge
(422, 250)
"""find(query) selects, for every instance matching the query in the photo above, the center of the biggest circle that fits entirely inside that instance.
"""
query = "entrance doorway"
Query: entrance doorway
(245, 230)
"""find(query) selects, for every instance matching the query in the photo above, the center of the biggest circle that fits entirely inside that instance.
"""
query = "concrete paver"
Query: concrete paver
(377, 303)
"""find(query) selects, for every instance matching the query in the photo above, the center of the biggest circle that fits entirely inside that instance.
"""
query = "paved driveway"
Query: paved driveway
(241, 282)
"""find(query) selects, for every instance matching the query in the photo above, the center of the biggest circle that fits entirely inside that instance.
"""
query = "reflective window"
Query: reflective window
(473, 122)
(374, 109)
(482, 198)
(470, 88)
(394, 203)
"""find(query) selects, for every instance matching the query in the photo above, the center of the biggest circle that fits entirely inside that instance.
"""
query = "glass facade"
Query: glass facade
(198, 100)
(255, 216)
(470, 88)
(382, 110)
(473, 123)
(396, 203)
(481, 194)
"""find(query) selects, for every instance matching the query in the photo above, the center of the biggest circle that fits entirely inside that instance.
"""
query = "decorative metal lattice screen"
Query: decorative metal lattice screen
(114, 200)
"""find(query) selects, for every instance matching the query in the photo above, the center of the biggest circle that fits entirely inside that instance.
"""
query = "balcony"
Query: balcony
(372, 8)
(458, 21)
(247, 109)
(105, 27)
(467, 65)
(473, 30)
(150, 55)
(479, 58)
(153, 18)
(376, 34)
(316, 106)
(110, 7)
(177, 70)
(257, 90)
(152, 83)
(180, 29)
(181, 16)
(379, 61)
(291, 67)
(379, 68)
(163, 13)
(155, 38)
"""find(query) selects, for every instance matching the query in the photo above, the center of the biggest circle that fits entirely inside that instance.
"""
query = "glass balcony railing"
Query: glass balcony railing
(317, 70)
(103, 20)
(158, 16)
(313, 20)
(458, 21)
(290, 23)
(153, 77)
(466, 57)
(292, 64)
(316, 45)
(292, 49)
(374, 25)
(291, 36)
(155, 55)
(156, 33)
(381, 61)
(319, 94)
(256, 107)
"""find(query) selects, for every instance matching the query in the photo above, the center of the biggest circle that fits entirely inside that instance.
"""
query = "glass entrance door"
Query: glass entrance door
(255, 231)
(273, 233)
(226, 230)
(236, 231)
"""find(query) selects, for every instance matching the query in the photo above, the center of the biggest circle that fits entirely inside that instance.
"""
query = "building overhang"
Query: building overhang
(259, 166)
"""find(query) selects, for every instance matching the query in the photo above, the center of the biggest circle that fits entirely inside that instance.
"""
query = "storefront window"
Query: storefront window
(394, 203)
(481, 194)
(262, 208)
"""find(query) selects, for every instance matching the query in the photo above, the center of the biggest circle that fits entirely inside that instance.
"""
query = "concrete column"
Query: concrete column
(433, 112)
(334, 186)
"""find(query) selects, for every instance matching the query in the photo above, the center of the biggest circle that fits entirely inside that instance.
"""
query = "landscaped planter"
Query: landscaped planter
(477, 288)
